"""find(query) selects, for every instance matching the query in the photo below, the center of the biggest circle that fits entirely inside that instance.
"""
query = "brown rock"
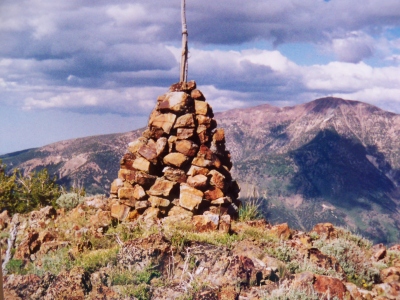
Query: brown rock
(175, 159)
(174, 101)
(213, 193)
(73, 284)
(138, 192)
(159, 202)
(353, 290)
(389, 290)
(174, 174)
(100, 219)
(198, 181)
(282, 231)
(324, 261)
(202, 133)
(222, 200)
(160, 145)
(151, 214)
(197, 95)
(204, 120)
(164, 121)
(134, 146)
(201, 107)
(195, 170)
(185, 121)
(219, 135)
(142, 205)
(388, 273)
(115, 185)
(190, 198)
(135, 176)
(225, 223)
(217, 179)
(206, 223)
(329, 287)
(126, 194)
(120, 211)
(184, 133)
(149, 152)
(183, 86)
(186, 147)
(179, 211)
(141, 164)
(325, 230)
(161, 187)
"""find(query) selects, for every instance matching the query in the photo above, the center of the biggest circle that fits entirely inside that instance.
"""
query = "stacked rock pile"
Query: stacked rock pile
(179, 168)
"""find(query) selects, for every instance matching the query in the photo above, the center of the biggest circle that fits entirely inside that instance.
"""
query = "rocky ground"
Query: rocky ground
(84, 253)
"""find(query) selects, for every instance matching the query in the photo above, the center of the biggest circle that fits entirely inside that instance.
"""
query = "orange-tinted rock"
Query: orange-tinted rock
(190, 198)
(161, 145)
(127, 194)
(213, 193)
(134, 176)
(161, 187)
(73, 284)
(201, 107)
(164, 121)
(388, 273)
(202, 133)
(329, 287)
(175, 159)
(184, 133)
(174, 174)
(325, 230)
(159, 202)
(353, 290)
(205, 223)
(142, 205)
(174, 101)
(222, 200)
(179, 211)
(198, 181)
(204, 120)
(183, 86)
(120, 211)
(115, 185)
(389, 290)
(197, 95)
(127, 161)
(195, 170)
(149, 152)
(282, 231)
(225, 223)
(186, 147)
(186, 120)
(141, 164)
(219, 135)
(134, 146)
(171, 142)
(217, 179)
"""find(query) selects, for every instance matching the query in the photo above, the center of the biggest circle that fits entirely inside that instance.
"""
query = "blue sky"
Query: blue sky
(73, 68)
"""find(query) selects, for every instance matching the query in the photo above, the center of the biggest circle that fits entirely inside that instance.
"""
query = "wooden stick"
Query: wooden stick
(184, 64)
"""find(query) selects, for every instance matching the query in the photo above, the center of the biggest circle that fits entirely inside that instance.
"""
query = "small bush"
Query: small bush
(69, 201)
(250, 210)
(16, 266)
(94, 260)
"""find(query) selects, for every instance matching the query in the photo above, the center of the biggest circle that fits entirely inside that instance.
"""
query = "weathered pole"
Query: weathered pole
(184, 62)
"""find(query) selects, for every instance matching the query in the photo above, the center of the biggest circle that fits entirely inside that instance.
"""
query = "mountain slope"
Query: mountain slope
(327, 160)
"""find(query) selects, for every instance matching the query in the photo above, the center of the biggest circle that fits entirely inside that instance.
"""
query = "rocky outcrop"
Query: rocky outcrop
(179, 167)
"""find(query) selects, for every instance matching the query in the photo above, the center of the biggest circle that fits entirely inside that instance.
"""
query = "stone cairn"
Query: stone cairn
(179, 168)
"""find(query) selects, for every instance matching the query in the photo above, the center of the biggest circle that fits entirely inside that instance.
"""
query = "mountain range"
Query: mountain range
(328, 160)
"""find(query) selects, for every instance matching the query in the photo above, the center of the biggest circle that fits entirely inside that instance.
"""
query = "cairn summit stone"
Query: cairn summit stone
(179, 166)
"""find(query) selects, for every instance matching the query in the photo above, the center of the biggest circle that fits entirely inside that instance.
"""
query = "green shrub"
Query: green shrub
(16, 266)
(69, 200)
(250, 210)
(96, 259)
